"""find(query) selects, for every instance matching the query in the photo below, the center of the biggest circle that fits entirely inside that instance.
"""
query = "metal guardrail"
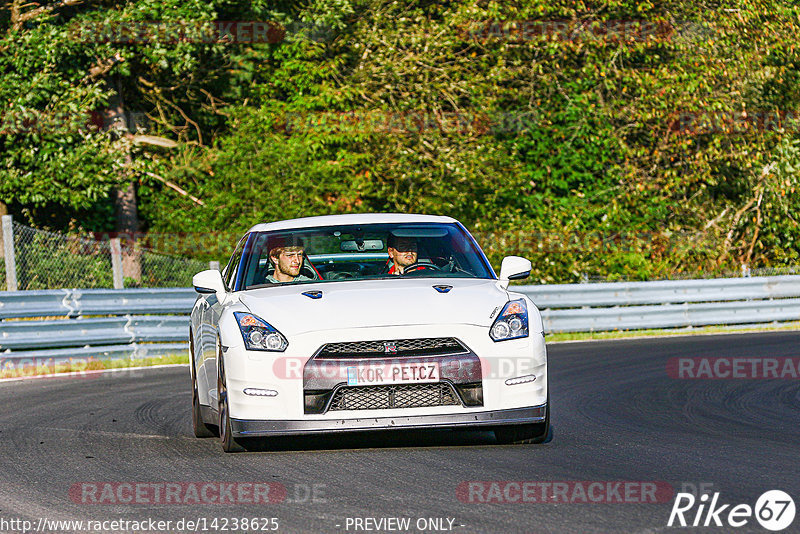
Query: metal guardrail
(661, 292)
(99, 323)
(670, 315)
(134, 323)
(81, 332)
(82, 302)
(666, 304)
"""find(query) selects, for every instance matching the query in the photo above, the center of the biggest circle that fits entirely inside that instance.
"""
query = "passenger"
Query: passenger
(288, 260)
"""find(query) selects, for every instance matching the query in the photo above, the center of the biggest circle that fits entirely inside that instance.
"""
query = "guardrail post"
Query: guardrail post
(116, 263)
(213, 265)
(8, 252)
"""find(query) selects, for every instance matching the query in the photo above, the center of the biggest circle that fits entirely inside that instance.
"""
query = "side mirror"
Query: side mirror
(514, 268)
(208, 282)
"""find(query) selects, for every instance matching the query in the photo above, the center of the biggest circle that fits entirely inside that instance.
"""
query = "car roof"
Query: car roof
(360, 218)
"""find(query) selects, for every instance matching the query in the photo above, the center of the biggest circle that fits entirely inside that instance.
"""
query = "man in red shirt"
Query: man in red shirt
(402, 253)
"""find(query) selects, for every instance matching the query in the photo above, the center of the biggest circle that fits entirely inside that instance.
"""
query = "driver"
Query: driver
(287, 261)
(402, 253)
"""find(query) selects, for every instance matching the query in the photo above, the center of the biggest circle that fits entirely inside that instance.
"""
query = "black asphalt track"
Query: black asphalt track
(617, 415)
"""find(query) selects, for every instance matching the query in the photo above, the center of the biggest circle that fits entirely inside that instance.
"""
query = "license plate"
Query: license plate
(392, 373)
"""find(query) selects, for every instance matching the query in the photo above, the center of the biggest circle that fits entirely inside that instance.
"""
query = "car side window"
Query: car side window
(258, 265)
(233, 264)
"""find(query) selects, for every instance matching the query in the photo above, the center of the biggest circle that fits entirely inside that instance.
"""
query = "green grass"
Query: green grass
(169, 359)
(690, 331)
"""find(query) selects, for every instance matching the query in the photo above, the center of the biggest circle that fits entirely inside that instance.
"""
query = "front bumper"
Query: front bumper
(255, 428)
(285, 374)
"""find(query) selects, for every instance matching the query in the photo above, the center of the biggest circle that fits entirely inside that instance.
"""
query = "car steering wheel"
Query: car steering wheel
(417, 266)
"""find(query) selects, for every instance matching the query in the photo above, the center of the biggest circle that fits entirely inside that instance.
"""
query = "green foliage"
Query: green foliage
(637, 151)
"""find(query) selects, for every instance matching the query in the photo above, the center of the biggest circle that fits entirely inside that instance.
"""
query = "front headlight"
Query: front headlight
(259, 334)
(512, 323)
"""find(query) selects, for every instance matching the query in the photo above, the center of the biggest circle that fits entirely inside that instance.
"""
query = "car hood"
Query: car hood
(374, 303)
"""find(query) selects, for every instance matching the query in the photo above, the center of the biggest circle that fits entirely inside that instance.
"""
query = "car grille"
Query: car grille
(394, 396)
(391, 348)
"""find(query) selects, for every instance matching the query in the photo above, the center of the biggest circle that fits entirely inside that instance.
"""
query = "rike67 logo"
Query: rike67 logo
(774, 510)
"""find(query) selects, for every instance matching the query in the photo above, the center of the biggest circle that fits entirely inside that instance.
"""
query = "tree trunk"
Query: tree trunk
(128, 229)
(125, 198)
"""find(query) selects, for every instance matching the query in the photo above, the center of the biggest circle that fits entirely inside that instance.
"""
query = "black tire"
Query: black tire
(525, 434)
(229, 443)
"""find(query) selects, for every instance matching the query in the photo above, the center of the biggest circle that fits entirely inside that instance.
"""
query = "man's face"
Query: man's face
(404, 253)
(288, 262)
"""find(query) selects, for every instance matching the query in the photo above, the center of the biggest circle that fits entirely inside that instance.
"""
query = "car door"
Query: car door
(197, 330)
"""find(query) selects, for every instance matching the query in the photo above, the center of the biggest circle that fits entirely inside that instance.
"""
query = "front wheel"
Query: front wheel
(528, 433)
(229, 443)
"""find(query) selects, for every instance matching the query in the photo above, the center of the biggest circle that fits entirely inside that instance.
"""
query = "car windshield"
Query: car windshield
(361, 252)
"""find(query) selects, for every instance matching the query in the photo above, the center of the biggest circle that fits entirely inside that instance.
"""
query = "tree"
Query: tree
(618, 138)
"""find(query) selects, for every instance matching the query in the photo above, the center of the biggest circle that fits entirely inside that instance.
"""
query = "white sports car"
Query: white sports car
(365, 322)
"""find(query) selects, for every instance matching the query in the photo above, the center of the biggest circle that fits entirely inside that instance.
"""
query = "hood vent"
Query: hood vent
(313, 294)
(443, 289)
